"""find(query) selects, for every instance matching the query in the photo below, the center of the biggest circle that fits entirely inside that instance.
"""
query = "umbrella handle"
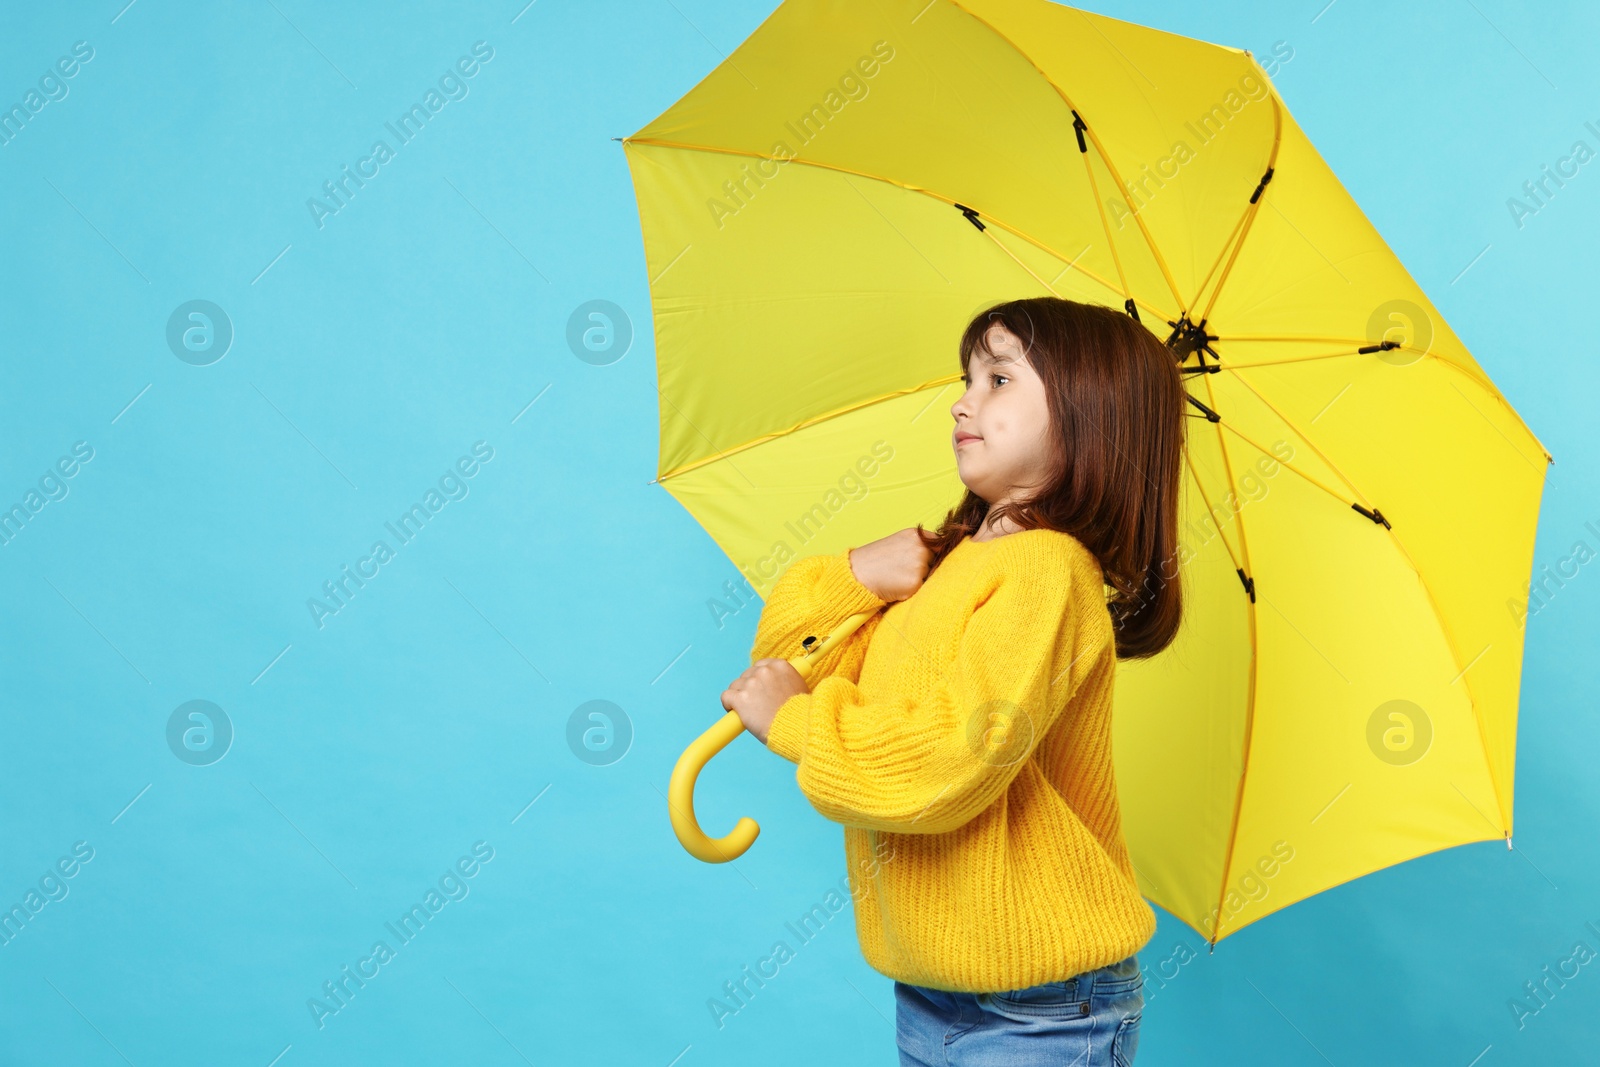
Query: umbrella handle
(680, 790)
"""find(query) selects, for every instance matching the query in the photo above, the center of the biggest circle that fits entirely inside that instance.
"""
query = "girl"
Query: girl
(962, 736)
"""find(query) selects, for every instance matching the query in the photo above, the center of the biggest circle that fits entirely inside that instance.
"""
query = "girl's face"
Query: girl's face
(1001, 436)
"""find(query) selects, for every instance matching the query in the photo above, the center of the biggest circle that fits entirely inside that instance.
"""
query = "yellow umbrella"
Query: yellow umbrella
(826, 210)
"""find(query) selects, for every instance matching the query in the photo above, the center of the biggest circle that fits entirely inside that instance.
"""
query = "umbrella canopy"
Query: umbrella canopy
(827, 209)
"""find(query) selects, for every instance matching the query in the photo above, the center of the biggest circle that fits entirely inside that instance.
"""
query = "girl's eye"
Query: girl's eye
(966, 379)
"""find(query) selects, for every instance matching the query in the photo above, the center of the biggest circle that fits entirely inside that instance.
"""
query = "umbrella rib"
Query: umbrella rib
(662, 394)
(1363, 350)
(1002, 246)
(1487, 387)
(987, 218)
(1105, 223)
(1099, 148)
(1360, 496)
(1470, 374)
(1361, 347)
(1298, 359)
(1287, 337)
(1340, 497)
(1461, 676)
(1195, 474)
(1050, 288)
(1360, 344)
(1250, 714)
(1433, 603)
(1250, 700)
(1223, 251)
(1255, 204)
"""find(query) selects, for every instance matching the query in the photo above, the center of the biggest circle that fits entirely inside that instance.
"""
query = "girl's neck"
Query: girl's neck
(988, 530)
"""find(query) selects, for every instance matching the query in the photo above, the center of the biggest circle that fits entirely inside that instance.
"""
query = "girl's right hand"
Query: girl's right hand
(893, 567)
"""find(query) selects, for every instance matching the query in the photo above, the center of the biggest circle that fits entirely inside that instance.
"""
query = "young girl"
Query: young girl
(962, 736)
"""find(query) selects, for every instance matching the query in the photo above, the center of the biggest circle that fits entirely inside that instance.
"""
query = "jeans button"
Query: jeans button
(1083, 1009)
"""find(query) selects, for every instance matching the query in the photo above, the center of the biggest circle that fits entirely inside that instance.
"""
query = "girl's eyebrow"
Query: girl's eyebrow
(985, 356)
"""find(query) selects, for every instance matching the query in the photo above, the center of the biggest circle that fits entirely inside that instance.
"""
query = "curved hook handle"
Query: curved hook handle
(680, 791)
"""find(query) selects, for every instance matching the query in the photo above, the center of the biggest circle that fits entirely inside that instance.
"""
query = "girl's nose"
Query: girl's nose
(961, 407)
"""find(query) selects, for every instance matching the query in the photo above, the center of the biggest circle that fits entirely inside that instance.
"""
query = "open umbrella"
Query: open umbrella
(825, 211)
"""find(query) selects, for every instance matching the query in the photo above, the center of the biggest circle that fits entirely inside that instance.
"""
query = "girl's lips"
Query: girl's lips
(964, 439)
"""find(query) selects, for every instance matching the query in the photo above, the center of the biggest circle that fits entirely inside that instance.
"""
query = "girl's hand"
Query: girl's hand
(760, 691)
(893, 567)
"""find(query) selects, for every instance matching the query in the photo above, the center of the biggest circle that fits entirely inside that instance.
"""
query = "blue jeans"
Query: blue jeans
(1089, 1020)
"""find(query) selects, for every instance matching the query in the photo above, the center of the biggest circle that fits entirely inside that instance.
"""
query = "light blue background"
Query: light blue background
(432, 710)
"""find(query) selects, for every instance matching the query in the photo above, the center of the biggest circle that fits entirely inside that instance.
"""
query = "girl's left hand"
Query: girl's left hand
(760, 691)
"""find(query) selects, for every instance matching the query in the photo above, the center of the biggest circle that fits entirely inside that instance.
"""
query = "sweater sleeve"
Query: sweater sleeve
(813, 596)
(931, 764)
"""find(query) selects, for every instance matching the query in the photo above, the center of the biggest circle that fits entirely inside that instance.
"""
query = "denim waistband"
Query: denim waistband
(1118, 977)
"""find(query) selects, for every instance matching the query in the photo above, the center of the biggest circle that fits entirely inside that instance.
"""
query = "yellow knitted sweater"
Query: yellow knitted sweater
(963, 739)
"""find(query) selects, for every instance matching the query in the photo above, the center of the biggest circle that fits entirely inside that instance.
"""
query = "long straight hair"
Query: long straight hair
(1116, 403)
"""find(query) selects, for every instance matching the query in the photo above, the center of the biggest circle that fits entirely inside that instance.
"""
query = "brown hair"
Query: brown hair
(1116, 401)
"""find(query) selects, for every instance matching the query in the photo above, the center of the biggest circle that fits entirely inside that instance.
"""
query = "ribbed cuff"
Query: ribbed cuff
(838, 587)
(787, 734)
